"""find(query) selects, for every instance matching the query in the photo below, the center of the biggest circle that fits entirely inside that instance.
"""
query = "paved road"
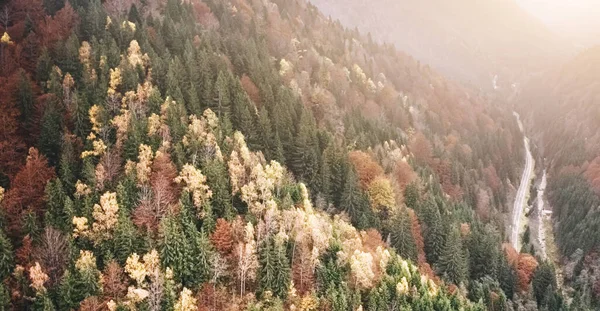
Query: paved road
(522, 192)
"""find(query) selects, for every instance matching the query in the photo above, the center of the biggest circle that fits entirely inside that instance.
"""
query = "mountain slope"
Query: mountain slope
(243, 155)
(468, 40)
(561, 108)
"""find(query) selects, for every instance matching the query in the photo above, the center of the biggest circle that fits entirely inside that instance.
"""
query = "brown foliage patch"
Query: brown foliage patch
(366, 167)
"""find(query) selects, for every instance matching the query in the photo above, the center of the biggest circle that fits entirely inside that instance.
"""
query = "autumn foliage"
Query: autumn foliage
(27, 191)
(525, 269)
(366, 167)
(222, 238)
(421, 148)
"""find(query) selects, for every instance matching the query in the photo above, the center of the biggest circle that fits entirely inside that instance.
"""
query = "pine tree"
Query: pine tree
(507, 276)
(44, 67)
(484, 251)
(353, 201)
(274, 271)
(4, 298)
(411, 195)
(126, 239)
(543, 279)
(52, 6)
(42, 302)
(185, 249)
(49, 142)
(69, 292)
(304, 159)
(401, 236)
(216, 177)
(68, 165)
(6, 256)
(435, 236)
(267, 139)
(452, 262)
(25, 101)
(220, 99)
(57, 213)
(243, 116)
(205, 89)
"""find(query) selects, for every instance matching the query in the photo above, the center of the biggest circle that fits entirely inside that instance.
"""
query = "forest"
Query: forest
(246, 155)
(569, 149)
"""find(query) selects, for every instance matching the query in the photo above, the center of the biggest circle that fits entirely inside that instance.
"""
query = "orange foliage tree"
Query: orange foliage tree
(404, 175)
(366, 167)
(421, 148)
(222, 238)
(526, 266)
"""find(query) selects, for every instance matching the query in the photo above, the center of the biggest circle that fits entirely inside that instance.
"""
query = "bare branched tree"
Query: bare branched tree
(52, 253)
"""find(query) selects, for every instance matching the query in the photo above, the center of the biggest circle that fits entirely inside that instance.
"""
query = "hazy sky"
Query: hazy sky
(579, 19)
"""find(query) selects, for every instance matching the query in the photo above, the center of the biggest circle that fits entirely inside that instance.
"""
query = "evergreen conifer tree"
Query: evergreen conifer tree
(543, 278)
(401, 236)
(6, 256)
(452, 262)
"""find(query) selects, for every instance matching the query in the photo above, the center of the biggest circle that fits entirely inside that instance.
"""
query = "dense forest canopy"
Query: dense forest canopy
(245, 155)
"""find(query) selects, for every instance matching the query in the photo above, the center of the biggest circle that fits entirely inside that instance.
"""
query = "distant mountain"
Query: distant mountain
(470, 40)
(567, 97)
(563, 113)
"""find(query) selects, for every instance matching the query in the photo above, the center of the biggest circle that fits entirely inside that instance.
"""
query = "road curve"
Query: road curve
(522, 191)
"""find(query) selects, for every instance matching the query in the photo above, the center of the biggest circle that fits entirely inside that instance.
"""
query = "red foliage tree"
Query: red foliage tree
(404, 175)
(443, 169)
(211, 299)
(24, 253)
(204, 15)
(58, 27)
(251, 89)
(511, 254)
(118, 7)
(27, 192)
(12, 147)
(222, 238)
(525, 268)
(491, 178)
(421, 149)
(24, 9)
(91, 303)
(366, 167)
(417, 236)
(114, 283)
(592, 174)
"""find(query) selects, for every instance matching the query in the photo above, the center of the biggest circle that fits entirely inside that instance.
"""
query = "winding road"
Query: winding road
(522, 191)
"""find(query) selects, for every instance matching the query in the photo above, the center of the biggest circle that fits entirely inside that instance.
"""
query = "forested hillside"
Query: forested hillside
(571, 146)
(469, 40)
(245, 155)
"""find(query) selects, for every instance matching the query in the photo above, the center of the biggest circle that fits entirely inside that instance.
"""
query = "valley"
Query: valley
(285, 155)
